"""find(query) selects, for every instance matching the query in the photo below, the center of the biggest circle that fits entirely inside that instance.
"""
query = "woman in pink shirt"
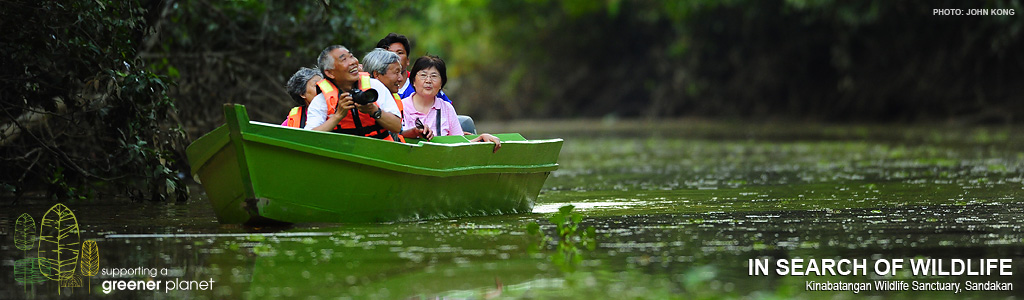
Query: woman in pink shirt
(425, 114)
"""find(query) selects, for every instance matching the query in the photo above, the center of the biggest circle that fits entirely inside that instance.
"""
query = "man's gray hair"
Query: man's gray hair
(296, 85)
(378, 61)
(326, 61)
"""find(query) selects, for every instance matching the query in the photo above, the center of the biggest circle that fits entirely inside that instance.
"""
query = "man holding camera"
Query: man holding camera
(349, 101)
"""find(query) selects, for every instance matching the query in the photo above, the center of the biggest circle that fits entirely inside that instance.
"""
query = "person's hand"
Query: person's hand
(426, 133)
(345, 104)
(368, 108)
(487, 138)
(423, 131)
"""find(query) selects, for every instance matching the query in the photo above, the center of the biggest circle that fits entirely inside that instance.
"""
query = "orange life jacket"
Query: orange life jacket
(296, 117)
(364, 125)
(398, 100)
(402, 110)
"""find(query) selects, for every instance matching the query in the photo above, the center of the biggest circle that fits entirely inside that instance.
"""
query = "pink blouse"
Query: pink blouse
(449, 119)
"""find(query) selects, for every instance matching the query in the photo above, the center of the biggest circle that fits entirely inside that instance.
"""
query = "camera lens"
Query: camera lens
(364, 97)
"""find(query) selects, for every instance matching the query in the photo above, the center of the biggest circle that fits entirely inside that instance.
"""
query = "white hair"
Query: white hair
(378, 61)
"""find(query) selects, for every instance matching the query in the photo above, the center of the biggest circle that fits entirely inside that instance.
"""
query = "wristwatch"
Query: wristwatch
(376, 114)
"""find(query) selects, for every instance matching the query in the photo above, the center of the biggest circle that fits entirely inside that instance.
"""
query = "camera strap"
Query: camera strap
(438, 127)
(355, 120)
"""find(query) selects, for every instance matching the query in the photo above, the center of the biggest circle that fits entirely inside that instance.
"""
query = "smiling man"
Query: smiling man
(385, 66)
(333, 109)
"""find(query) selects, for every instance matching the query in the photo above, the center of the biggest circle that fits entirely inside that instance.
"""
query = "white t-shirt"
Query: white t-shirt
(317, 112)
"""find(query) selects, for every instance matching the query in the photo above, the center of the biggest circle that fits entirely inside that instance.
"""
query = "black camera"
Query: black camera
(363, 97)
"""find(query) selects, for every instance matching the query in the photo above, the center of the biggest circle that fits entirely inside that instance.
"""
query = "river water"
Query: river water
(679, 210)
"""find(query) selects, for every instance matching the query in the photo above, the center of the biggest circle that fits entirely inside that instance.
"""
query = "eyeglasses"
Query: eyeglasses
(425, 76)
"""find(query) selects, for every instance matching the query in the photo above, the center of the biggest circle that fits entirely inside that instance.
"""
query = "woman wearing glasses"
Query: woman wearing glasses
(427, 115)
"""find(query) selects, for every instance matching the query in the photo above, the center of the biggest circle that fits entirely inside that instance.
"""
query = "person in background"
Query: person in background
(426, 114)
(399, 44)
(334, 109)
(386, 67)
(302, 88)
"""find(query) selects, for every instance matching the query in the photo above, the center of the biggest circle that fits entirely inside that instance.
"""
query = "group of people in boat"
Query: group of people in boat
(409, 104)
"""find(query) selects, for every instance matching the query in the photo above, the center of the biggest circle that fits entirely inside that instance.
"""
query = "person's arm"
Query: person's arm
(316, 113)
(331, 121)
(390, 115)
(487, 138)
(344, 105)
(418, 133)
(388, 120)
(456, 128)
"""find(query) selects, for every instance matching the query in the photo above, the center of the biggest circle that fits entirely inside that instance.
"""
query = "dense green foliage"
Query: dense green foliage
(81, 113)
(861, 60)
(87, 93)
(807, 59)
(244, 51)
(87, 96)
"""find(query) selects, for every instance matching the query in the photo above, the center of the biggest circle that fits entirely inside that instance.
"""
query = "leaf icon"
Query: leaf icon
(74, 280)
(25, 232)
(90, 260)
(27, 271)
(58, 243)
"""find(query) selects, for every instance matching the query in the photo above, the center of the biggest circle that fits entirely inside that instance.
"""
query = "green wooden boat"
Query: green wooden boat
(262, 173)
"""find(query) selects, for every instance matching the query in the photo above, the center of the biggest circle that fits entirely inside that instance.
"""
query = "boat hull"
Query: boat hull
(261, 173)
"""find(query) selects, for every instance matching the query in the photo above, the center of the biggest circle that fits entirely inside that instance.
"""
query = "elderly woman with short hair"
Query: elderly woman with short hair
(302, 88)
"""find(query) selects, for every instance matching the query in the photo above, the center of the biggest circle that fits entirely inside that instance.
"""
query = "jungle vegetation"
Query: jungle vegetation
(101, 97)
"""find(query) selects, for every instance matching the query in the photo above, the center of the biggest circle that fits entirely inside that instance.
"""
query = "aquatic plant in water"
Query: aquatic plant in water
(571, 238)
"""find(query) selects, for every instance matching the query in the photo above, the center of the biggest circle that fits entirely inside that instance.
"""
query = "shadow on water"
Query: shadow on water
(675, 217)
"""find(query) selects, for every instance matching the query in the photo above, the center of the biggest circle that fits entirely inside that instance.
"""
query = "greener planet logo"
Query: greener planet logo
(60, 254)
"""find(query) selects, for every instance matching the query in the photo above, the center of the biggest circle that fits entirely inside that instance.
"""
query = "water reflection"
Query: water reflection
(674, 218)
(548, 208)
